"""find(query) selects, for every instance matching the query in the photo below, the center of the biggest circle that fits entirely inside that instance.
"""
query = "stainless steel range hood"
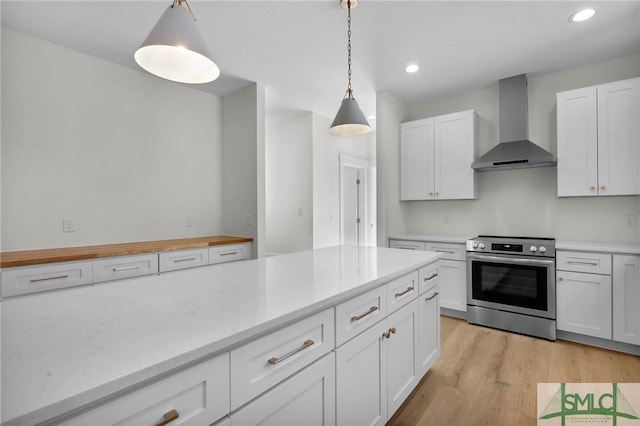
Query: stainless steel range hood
(515, 151)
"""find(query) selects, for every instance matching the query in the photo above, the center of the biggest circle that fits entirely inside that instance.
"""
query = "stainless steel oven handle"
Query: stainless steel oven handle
(509, 259)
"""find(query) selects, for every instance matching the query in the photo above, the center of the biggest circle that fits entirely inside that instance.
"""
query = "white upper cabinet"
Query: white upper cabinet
(599, 140)
(435, 157)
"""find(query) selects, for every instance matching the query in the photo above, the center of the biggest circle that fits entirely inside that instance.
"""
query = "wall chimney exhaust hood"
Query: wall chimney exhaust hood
(515, 151)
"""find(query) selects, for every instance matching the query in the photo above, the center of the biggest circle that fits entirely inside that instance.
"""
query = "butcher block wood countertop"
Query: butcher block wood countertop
(36, 257)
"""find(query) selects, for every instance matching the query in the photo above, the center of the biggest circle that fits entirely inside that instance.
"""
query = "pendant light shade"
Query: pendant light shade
(175, 49)
(350, 120)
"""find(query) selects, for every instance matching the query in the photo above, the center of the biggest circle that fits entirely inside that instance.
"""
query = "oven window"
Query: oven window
(515, 285)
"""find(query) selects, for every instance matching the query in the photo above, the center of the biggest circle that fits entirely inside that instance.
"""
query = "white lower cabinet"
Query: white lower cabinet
(584, 303)
(196, 396)
(428, 329)
(626, 299)
(376, 371)
(453, 284)
(305, 399)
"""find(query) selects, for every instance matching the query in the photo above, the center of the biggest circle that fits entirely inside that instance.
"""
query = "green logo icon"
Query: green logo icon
(613, 404)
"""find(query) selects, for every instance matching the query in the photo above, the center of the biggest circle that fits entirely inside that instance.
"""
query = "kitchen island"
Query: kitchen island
(70, 351)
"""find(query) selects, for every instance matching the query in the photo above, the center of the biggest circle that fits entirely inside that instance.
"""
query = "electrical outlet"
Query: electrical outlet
(630, 221)
(445, 219)
(188, 221)
(299, 211)
(68, 225)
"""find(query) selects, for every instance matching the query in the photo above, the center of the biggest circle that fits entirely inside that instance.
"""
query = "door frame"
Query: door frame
(368, 191)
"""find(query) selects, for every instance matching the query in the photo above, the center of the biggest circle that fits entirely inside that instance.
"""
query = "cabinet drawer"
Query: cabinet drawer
(34, 279)
(449, 251)
(229, 253)
(263, 363)
(357, 314)
(115, 268)
(595, 263)
(408, 245)
(428, 277)
(183, 259)
(401, 291)
(199, 395)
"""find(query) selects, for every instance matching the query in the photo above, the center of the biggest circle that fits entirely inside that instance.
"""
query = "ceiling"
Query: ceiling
(297, 49)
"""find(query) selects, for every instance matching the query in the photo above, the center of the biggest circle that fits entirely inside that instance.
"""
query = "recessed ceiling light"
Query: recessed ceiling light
(582, 15)
(411, 68)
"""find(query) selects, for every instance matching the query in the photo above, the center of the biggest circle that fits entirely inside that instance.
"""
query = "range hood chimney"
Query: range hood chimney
(515, 150)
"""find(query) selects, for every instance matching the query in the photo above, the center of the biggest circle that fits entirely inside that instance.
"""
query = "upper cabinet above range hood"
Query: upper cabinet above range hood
(515, 151)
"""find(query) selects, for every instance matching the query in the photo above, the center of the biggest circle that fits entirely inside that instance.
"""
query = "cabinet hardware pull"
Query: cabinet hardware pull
(444, 251)
(305, 345)
(57, 277)
(431, 277)
(186, 259)
(406, 248)
(402, 293)
(593, 188)
(577, 262)
(603, 187)
(560, 279)
(126, 268)
(432, 296)
(392, 330)
(386, 334)
(168, 417)
(229, 253)
(359, 317)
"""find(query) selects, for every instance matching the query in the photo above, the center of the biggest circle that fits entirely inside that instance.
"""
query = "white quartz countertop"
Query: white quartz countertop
(64, 349)
(454, 239)
(615, 248)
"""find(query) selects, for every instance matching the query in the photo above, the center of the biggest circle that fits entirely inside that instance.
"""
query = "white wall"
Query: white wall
(289, 184)
(243, 164)
(511, 202)
(126, 154)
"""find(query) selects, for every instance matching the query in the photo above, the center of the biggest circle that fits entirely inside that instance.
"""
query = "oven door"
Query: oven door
(512, 284)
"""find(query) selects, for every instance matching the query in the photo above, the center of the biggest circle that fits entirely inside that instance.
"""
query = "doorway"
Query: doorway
(357, 201)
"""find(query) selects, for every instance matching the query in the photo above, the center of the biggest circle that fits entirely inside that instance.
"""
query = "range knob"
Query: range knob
(482, 246)
(533, 249)
(542, 249)
(475, 245)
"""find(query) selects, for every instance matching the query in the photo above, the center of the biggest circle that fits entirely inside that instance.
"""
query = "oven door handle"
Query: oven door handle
(504, 259)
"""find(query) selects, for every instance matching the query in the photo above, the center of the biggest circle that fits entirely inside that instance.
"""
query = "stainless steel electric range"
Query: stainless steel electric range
(511, 284)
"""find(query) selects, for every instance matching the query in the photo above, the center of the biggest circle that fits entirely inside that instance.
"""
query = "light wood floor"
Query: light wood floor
(490, 377)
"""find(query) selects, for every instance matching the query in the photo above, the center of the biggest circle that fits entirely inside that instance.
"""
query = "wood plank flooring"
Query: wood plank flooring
(490, 377)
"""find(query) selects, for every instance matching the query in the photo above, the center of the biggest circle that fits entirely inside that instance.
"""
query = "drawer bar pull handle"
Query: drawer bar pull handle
(432, 296)
(186, 259)
(445, 251)
(406, 248)
(229, 253)
(402, 293)
(305, 345)
(577, 262)
(57, 277)
(431, 277)
(126, 268)
(359, 317)
(168, 417)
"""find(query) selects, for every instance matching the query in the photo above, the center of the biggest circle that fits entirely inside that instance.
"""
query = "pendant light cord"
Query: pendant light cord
(349, 90)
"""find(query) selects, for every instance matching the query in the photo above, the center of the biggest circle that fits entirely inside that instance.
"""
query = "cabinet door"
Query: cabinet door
(428, 329)
(453, 284)
(626, 299)
(307, 398)
(361, 379)
(402, 355)
(618, 136)
(416, 160)
(454, 151)
(584, 303)
(577, 142)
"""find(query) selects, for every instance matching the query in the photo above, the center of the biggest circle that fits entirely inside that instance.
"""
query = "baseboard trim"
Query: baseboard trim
(453, 313)
(598, 342)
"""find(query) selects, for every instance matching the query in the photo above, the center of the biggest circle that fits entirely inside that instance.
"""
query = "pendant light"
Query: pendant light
(175, 49)
(350, 120)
